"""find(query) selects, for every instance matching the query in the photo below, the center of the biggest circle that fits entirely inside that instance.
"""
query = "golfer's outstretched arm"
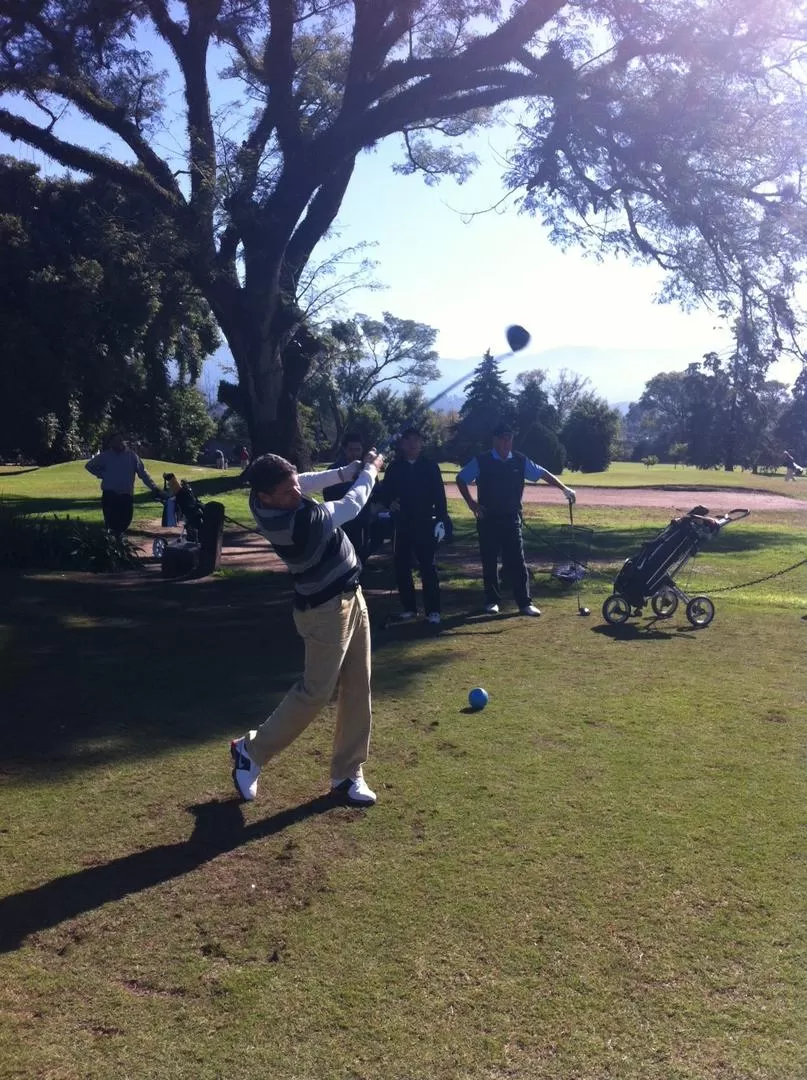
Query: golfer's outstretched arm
(318, 481)
(344, 510)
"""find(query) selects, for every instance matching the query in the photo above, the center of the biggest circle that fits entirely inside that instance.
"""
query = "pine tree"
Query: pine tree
(488, 402)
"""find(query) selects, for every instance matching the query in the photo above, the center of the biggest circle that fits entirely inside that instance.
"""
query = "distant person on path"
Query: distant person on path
(792, 468)
(116, 468)
(413, 489)
(244, 459)
(500, 475)
(330, 615)
(350, 452)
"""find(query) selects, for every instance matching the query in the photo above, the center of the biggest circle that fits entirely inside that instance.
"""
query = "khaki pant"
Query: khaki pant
(337, 649)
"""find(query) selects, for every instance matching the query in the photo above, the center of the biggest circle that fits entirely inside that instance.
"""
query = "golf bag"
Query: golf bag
(197, 551)
(648, 575)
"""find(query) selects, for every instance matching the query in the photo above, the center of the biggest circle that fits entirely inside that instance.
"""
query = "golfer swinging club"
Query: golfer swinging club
(330, 615)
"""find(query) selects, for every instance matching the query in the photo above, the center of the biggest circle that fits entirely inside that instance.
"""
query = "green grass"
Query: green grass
(599, 877)
(626, 474)
(70, 489)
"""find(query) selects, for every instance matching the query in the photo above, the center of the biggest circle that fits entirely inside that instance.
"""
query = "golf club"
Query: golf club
(580, 610)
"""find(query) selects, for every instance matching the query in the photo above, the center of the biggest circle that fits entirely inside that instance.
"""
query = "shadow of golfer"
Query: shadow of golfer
(219, 828)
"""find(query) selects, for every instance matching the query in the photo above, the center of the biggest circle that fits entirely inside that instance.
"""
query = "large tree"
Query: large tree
(673, 131)
(93, 312)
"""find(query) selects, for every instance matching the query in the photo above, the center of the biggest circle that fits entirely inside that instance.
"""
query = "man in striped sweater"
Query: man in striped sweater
(330, 615)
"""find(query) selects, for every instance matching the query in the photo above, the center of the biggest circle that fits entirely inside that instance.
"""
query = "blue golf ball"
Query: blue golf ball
(478, 698)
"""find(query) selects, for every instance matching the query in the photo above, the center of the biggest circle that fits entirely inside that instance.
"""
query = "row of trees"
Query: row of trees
(724, 410)
(560, 423)
(102, 329)
(674, 132)
(692, 417)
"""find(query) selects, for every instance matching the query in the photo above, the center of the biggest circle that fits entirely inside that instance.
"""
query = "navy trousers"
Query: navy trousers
(416, 545)
(500, 536)
(118, 509)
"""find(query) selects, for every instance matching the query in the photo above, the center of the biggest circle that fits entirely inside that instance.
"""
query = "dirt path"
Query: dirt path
(675, 501)
(246, 551)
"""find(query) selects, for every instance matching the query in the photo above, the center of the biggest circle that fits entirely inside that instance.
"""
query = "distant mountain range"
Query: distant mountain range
(618, 375)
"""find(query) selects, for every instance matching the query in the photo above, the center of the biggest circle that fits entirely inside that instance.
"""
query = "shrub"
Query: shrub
(54, 543)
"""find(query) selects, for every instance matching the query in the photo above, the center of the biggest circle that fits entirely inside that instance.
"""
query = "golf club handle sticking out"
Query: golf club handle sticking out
(517, 338)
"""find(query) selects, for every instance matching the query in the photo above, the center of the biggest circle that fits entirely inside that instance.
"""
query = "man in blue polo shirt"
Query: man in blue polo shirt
(500, 475)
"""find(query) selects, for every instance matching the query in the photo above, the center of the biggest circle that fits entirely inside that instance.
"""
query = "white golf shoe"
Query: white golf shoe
(245, 771)
(530, 609)
(353, 791)
(491, 609)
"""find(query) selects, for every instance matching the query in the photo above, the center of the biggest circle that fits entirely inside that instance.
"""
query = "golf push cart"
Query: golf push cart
(648, 575)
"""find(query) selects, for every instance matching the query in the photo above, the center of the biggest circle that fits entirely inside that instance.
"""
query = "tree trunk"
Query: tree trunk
(270, 379)
(272, 357)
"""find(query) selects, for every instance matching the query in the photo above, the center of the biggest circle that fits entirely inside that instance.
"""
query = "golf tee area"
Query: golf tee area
(598, 876)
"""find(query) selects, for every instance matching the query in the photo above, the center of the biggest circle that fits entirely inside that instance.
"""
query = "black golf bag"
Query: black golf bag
(648, 575)
(197, 551)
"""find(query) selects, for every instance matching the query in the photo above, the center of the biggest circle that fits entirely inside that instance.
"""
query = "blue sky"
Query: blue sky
(470, 278)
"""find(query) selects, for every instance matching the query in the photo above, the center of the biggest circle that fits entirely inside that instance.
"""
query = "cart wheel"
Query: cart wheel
(616, 610)
(158, 547)
(700, 611)
(664, 603)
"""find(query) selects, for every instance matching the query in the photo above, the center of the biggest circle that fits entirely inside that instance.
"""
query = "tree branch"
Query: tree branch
(104, 113)
(431, 100)
(278, 63)
(170, 31)
(88, 161)
(190, 49)
(490, 51)
(319, 217)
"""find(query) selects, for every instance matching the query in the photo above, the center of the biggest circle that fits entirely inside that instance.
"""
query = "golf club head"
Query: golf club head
(517, 337)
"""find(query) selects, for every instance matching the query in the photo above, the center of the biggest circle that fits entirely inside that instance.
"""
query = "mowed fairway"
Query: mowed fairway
(601, 875)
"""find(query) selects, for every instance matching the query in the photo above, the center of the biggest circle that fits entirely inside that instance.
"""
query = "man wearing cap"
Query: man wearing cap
(413, 489)
(500, 475)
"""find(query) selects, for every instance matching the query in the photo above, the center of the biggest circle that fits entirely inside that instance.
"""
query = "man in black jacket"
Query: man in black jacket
(356, 530)
(413, 490)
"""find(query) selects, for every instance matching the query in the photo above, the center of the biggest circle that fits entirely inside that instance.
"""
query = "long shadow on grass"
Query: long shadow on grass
(646, 632)
(104, 670)
(219, 828)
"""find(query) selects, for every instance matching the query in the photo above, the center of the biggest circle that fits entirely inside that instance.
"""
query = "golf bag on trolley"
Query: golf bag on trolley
(197, 550)
(648, 575)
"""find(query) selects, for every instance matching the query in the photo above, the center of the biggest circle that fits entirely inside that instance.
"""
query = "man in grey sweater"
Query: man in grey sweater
(116, 468)
(330, 615)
